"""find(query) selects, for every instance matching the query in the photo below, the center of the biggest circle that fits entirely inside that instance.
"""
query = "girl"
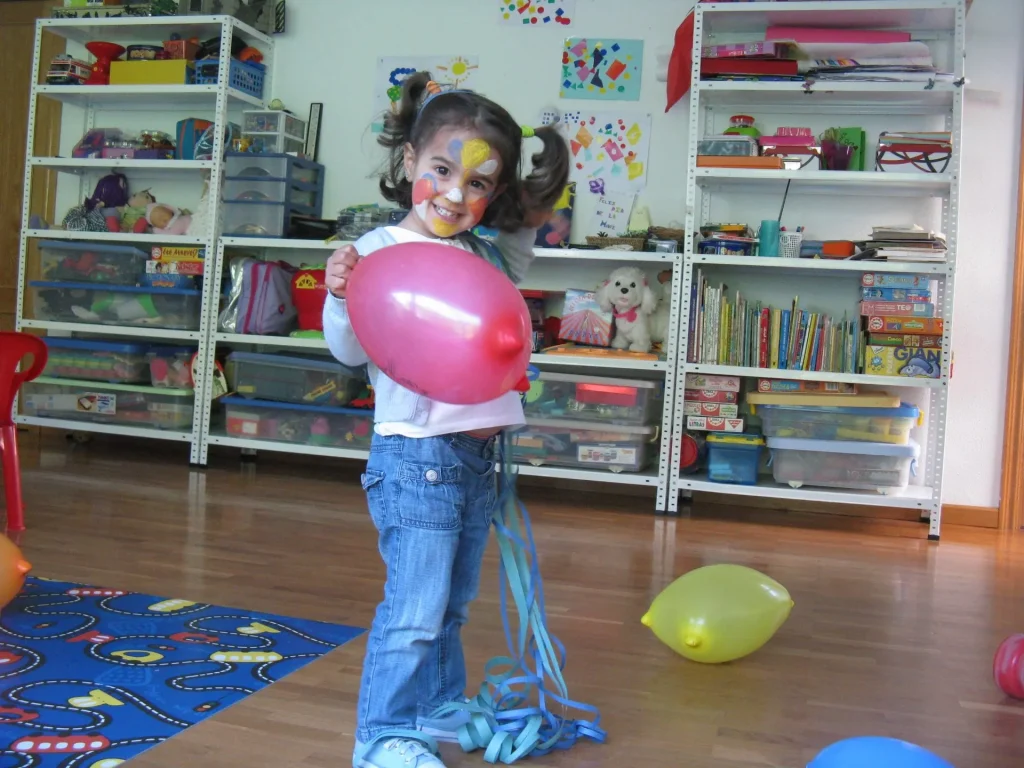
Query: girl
(454, 162)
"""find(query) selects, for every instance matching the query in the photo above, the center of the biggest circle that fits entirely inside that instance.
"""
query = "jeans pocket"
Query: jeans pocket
(430, 495)
(372, 481)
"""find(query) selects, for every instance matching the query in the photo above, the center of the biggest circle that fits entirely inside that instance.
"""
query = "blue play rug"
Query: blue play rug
(90, 677)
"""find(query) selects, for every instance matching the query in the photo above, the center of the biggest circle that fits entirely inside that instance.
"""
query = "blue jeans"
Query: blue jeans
(432, 500)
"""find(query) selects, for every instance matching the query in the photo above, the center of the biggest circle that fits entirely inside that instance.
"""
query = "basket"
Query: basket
(244, 76)
(635, 243)
(789, 244)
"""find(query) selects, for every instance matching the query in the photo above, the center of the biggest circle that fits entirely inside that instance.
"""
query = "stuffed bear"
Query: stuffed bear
(628, 296)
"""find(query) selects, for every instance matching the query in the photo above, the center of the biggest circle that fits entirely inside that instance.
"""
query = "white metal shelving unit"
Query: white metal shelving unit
(139, 102)
(551, 271)
(940, 22)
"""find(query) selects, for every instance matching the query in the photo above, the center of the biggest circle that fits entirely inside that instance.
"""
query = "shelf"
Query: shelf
(851, 378)
(825, 182)
(747, 17)
(915, 497)
(147, 29)
(279, 242)
(648, 478)
(144, 98)
(578, 254)
(280, 447)
(80, 165)
(858, 97)
(821, 266)
(111, 330)
(129, 238)
(107, 429)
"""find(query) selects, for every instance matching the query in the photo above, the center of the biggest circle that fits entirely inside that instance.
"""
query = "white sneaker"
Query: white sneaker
(397, 751)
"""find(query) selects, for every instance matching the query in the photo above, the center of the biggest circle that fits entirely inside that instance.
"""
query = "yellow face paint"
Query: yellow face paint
(475, 153)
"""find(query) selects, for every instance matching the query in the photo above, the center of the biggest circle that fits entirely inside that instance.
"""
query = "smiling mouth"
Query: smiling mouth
(446, 214)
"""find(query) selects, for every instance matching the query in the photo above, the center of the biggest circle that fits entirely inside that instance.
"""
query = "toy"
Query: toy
(719, 613)
(133, 215)
(105, 53)
(441, 321)
(584, 321)
(167, 220)
(660, 316)
(628, 296)
(13, 569)
(65, 70)
(99, 212)
(1008, 666)
(308, 295)
(876, 752)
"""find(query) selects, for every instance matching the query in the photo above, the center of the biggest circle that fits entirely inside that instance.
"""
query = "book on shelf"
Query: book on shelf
(750, 334)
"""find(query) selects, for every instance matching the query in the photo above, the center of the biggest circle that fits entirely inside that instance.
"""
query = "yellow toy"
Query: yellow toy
(13, 569)
(718, 613)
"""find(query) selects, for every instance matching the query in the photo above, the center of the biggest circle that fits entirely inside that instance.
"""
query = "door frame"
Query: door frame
(1011, 498)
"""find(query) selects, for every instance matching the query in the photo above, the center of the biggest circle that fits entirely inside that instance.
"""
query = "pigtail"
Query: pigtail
(394, 186)
(545, 184)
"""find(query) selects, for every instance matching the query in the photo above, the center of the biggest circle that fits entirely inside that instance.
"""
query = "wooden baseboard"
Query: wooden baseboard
(974, 517)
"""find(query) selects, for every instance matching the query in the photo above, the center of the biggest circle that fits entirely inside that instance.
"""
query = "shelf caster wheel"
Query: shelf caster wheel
(617, 470)
(536, 463)
(795, 484)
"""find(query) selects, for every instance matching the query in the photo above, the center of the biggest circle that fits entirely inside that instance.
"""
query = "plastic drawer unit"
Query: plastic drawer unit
(585, 445)
(880, 467)
(124, 404)
(594, 399)
(878, 425)
(302, 424)
(288, 379)
(96, 360)
(172, 308)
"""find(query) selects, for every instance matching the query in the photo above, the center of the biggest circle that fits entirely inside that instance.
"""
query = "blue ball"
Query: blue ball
(877, 752)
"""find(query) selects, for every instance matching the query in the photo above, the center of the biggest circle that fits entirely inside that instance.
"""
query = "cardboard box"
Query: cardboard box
(710, 396)
(158, 72)
(713, 424)
(789, 385)
(725, 383)
(912, 362)
(721, 410)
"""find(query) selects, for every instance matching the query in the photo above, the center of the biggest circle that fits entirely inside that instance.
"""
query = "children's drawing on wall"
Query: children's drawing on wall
(609, 149)
(452, 70)
(601, 69)
(611, 215)
(556, 230)
(536, 13)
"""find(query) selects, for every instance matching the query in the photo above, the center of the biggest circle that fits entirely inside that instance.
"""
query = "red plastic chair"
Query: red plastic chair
(14, 347)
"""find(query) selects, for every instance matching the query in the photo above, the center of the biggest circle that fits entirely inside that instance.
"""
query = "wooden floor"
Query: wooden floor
(890, 635)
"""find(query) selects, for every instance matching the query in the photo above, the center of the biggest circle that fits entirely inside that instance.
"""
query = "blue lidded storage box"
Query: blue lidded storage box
(734, 458)
(879, 425)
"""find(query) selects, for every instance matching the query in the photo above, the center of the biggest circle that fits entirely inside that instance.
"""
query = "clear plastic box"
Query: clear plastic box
(288, 379)
(174, 308)
(255, 219)
(594, 398)
(274, 143)
(585, 445)
(880, 467)
(272, 121)
(734, 458)
(96, 360)
(171, 367)
(274, 191)
(879, 425)
(276, 166)
(124, 404)
(92, 262)
(303, 424)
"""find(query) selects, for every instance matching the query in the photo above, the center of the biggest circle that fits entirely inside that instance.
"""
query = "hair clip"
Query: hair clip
(528, 132)
(433, 88)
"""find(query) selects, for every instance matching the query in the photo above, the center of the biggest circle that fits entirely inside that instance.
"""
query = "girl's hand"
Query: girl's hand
(339, 270)
(535, 218)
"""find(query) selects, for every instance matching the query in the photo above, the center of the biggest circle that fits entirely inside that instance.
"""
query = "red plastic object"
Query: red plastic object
(14, 347)
(1008, 667)
(308, 295)
(105, 53)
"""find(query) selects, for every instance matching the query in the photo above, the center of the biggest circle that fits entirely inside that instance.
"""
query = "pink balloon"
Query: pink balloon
(441, 322)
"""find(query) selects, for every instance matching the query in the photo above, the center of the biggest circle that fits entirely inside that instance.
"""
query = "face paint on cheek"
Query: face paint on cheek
(423, 191)
(477, 208)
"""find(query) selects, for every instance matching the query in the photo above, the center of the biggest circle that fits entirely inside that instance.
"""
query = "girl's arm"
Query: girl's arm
(341, 339)
(517, 248)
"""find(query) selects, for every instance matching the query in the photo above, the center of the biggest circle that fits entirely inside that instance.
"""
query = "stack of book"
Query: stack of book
(902, 344)
(901, 243)
(751, 334)
(884, 295)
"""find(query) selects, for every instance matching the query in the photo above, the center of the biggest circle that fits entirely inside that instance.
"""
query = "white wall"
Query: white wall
(329, 55)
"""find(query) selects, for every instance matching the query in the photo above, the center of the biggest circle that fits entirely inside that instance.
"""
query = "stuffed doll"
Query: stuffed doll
(167, 220)
(627, 295)
(133, 215)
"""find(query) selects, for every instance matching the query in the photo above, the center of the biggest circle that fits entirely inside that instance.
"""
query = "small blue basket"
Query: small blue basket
(244, 76)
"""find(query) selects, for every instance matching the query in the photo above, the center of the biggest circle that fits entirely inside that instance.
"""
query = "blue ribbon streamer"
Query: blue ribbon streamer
(503, 721)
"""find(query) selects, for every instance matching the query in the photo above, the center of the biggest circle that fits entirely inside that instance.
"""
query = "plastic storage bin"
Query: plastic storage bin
(261, 121)
(880, 425)
(594, 398)
(244, 76)
(881, 467)
(734, 458)
(304, 424)
(249, 219)
(287, 379)
(96, 360)
(171, 367)
(124, 404)
(295, 195)
(275, 166)
(585, 445)
(92, 263)
(175, 308)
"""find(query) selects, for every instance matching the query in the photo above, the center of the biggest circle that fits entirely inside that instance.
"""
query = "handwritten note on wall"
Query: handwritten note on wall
(611, 216)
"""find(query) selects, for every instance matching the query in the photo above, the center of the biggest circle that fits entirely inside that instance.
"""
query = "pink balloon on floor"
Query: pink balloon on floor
(441, 322)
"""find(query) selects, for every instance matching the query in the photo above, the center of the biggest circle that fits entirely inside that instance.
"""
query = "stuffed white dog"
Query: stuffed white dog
(659, 320)
(628, 296)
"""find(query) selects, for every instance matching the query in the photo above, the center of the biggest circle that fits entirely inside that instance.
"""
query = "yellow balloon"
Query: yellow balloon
(718, 613)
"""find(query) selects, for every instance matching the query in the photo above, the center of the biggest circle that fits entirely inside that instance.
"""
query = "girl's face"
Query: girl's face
(454, 178)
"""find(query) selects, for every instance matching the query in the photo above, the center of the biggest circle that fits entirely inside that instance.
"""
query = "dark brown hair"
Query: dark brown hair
(416, 125)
